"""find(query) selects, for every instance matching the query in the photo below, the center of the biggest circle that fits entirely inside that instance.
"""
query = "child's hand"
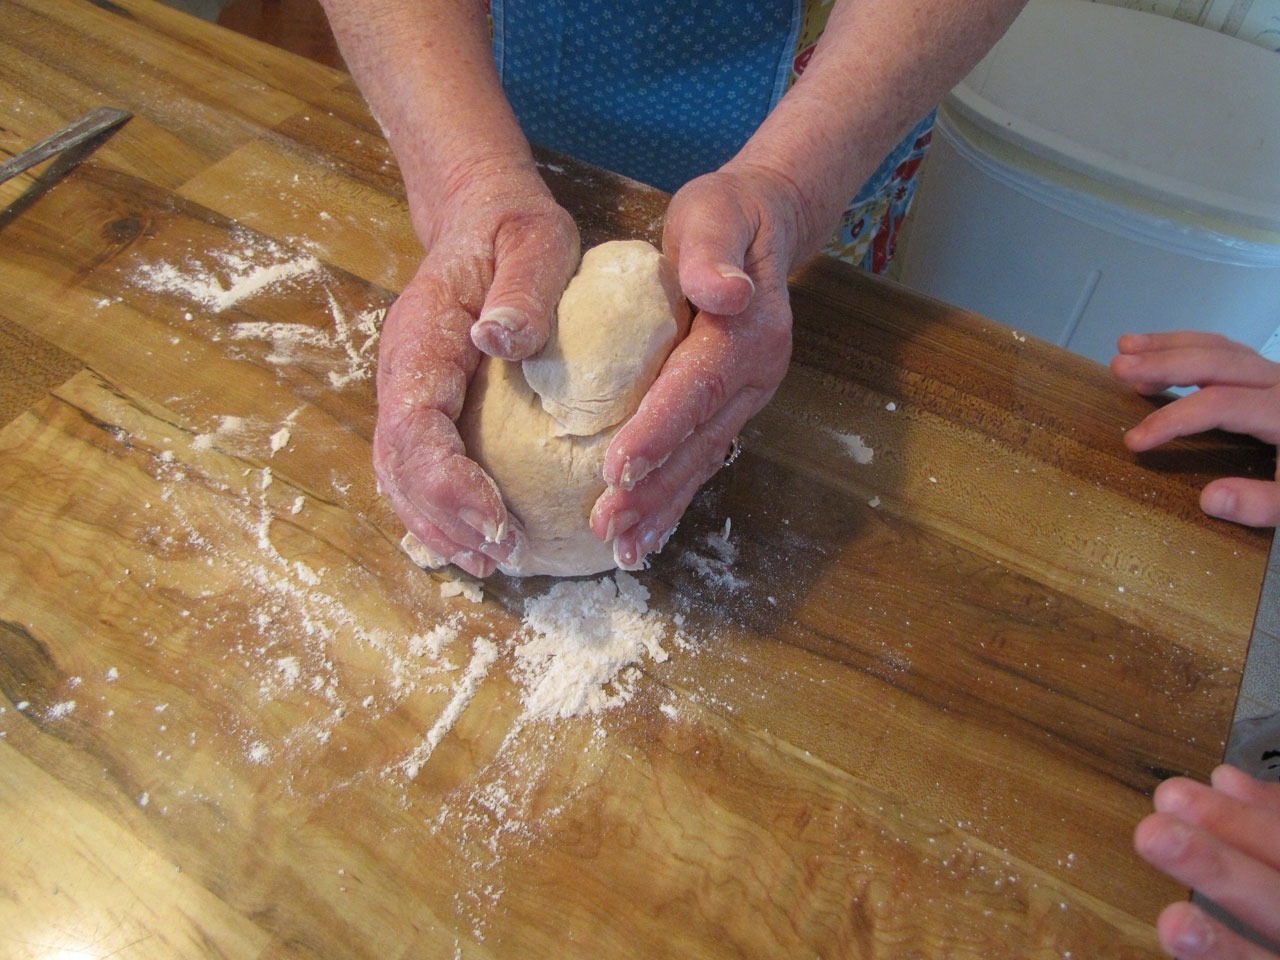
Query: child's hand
(1240, 392)
(1224, 841)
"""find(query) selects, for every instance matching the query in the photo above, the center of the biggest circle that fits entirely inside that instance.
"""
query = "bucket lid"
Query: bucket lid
(1176, 113)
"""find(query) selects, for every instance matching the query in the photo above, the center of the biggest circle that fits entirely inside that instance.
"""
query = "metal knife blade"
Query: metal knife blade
(93, 124)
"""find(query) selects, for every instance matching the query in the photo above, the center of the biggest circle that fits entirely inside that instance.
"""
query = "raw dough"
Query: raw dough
(616, 323)
(541, 428)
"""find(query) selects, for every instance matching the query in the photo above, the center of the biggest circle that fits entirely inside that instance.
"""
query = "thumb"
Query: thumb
(1254, 503)
(708, 235)
(529, 276)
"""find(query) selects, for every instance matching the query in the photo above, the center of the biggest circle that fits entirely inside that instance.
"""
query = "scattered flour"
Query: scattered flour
(470, 589)
(250, 437)
(60, 710)
(359, 357)
(855, 446)
(211, 290)
(290, 671)
(280, 439)
(258, 752)
(307, 651)
(294, 344)
(433, 642)
(219, 280)
(716, 569)
(484, 653)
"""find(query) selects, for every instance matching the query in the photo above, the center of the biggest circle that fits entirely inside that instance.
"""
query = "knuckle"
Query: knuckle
(712, 393)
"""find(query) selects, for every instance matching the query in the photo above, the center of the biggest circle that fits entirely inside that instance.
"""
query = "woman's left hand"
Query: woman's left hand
(733, 236)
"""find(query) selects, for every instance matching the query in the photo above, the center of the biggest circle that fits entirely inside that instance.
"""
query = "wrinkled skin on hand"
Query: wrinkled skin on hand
(733, 236)
(499, 253)
(497, 257)
(1222, 839)
(1240, 393)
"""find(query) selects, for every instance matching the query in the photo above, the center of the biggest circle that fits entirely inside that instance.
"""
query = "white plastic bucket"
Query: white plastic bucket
(1105, 170)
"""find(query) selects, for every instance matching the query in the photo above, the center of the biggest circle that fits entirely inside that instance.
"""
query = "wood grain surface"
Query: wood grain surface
(298, 26)
(913, 703)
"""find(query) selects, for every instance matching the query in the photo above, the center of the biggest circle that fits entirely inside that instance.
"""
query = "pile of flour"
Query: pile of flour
(579, 640)
(574, 654)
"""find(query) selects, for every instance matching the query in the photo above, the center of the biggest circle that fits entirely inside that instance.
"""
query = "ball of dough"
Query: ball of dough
(541, 428)
(616, 323)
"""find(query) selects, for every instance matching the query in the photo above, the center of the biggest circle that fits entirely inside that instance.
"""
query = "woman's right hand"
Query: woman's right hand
(500, 251)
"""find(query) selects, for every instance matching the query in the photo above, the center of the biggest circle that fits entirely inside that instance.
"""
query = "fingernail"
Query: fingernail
(1196, 937)
(508, 318)
(1234, 782)
(421, 554)
(501, 551)
(662, 541)
(730, 272)
(1172, 842)
(482, 524)
(1171, 797)
(620, 523)
(1219, 503)
(633, 471)
(498, 332)
(507, 552)
(476, 564)
(624, 557)
(636, 557)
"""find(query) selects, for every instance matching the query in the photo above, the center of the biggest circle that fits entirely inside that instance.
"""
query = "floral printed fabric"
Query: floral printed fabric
(868, 231)
(663, 91)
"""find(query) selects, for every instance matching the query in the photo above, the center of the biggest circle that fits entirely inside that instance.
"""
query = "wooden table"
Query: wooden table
(912, 708)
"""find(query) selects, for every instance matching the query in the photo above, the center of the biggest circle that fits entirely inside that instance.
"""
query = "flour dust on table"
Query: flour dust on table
(210, 283)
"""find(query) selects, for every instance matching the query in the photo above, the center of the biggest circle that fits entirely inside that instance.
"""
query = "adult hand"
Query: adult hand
(1240, 392)
(733, 236)
(1223, 840)
(499, 253)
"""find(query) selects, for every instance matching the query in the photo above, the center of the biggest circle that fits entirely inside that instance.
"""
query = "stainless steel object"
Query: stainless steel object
(81, 132)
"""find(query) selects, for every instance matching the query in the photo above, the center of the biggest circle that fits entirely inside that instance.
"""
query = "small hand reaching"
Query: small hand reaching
(1223, 840)
(1239, 392)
